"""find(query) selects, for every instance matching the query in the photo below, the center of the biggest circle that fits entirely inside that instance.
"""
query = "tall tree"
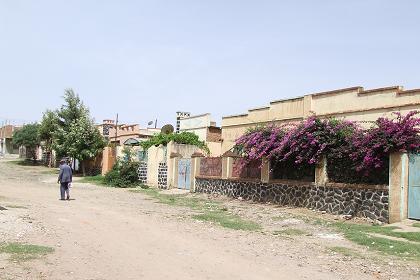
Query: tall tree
(28, 136)
(84, 141)
(76, 135)
(49, 126)
(71, 111)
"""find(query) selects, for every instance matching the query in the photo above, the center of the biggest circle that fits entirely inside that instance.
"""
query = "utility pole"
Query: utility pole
(116, 135)
(116, 128)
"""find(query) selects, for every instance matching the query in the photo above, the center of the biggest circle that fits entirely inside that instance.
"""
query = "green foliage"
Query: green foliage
(96, 180)
(72, 110)
(73, 131)
(123, 174)
(188, 138)
(28, 136)
(364, 235)
(48, 126)
(128, 154)
(83, 140)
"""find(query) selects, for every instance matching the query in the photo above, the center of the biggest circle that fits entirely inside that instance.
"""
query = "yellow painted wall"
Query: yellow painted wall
(354, 104)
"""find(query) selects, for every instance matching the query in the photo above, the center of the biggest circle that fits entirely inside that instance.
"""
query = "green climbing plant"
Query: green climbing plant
(188, 138)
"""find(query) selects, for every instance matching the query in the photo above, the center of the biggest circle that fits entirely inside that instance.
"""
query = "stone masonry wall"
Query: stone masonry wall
(142, 172)
(163, 175)
(355, 201)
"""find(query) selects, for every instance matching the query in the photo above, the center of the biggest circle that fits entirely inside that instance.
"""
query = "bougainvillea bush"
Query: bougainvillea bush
(259, 142)
(386, 136)
(308, 141)
(361, 154)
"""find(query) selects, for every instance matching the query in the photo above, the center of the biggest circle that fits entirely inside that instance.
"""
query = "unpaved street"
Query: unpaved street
(107, 233)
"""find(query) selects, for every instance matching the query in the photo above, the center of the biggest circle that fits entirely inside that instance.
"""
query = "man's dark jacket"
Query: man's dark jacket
(65, 175)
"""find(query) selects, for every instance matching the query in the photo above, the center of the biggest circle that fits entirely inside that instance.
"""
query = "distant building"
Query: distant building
(125, 134)
(6, 140)
(206, 129)
(179, 117)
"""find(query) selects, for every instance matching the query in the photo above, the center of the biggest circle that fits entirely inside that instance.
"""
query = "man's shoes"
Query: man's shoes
(68, 198)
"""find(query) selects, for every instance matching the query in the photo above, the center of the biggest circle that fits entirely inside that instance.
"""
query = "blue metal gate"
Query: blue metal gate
(184, 174)
(414, 187)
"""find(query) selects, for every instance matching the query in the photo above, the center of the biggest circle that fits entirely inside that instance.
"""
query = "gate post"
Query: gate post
(195, 168)
(265, 170)
(398, 187)
(174, 158)
(227, 164)
(321, 175)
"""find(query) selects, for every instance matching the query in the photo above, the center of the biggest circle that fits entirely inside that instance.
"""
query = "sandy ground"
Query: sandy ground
(107, 233)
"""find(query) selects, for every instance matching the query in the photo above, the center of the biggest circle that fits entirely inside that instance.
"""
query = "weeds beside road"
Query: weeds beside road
(209, 210)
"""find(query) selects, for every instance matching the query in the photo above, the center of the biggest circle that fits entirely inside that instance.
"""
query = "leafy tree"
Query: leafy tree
(71, 111)
(83, 141)
(76, 134)
(28, 136)
(49, 126)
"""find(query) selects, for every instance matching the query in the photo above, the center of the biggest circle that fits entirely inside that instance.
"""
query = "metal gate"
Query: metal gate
(184, 174)
(414, 187)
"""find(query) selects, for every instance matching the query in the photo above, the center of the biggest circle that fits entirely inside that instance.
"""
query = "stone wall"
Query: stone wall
(142, 172)
(163, 175)
(361, 201)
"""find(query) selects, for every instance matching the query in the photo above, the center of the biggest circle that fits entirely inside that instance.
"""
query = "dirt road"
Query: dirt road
(107, 233)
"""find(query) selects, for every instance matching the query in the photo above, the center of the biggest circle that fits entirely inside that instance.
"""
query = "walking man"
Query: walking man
(64, 179)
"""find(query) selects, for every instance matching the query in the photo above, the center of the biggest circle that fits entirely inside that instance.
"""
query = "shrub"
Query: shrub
(371, 148)
(308, 141)
(259, 142)
(180, 138)
(361, 155)
(123, 174)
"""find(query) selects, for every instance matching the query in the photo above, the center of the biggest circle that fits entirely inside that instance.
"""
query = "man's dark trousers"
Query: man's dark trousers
(64, 189)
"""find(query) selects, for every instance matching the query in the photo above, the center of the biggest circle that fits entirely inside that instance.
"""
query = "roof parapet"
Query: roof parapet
(316, 94)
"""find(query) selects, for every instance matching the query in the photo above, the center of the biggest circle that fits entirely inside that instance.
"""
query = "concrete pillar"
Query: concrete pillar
(265, 171)
(173, 183)
(227, 167)
(398, 187)
(321, 175)
(105, 161)
(108, 159)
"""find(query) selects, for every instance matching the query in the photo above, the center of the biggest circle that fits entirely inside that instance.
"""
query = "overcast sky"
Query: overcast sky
(149, 59)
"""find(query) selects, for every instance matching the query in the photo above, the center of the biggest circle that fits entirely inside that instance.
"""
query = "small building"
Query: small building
(121, 135)
(206, 129)
(125, 134)
(6, 140)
